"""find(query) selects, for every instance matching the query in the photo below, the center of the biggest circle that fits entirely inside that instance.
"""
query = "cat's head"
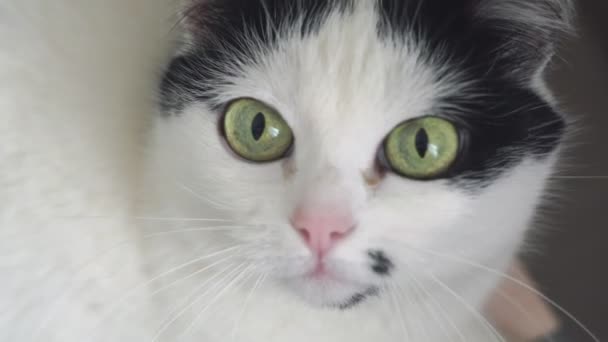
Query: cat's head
(361, 142)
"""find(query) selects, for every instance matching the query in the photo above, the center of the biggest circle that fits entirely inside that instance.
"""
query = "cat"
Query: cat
(309, 127)
(327, 170)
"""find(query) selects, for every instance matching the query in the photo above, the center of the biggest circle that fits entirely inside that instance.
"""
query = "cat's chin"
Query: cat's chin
(331, 293)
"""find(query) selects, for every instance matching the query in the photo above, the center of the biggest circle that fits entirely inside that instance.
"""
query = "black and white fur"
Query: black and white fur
(343, 74)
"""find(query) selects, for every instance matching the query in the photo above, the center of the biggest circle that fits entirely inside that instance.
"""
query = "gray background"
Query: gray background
(571, 264)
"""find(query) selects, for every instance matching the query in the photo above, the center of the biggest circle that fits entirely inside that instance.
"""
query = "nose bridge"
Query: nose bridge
(323, 185)
(328, 172)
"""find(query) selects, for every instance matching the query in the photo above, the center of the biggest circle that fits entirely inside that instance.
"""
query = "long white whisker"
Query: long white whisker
(173, 316)
(72, 284)
(580, 177)
(416, 303)
(520, 308)
(123, 299)
(143, 218)
(245, 273)
(194, 274)
(437, 315)
(216, 204)
(469, 307)
(514, 280)
(202, 229)
(181, 219)
(388, 304)
(12, 238)
(257, 284)
(404, 331)
(411, 303)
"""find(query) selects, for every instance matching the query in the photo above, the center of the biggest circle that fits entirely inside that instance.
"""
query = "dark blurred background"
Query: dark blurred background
(571, 263)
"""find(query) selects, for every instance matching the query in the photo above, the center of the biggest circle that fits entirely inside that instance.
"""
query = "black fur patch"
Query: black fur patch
(381, 264)
(461, 27)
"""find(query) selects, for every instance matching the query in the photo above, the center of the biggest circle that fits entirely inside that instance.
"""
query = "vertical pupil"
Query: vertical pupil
(258, 126)
(422, 142)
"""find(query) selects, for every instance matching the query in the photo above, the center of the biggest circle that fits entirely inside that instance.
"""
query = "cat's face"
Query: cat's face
(359, 142)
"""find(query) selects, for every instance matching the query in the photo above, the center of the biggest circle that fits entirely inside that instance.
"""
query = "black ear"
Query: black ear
(229, 23)
(197, 17)
(523, 33)
(254, 19)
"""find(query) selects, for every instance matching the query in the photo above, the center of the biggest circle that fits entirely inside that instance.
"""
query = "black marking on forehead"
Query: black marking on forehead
(503, 127)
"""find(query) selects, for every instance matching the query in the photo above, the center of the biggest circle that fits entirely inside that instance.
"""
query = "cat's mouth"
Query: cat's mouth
(359, 298)
(332, 285)
(331, 291)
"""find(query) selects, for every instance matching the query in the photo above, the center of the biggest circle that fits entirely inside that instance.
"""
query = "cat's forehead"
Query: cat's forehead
(344, 72)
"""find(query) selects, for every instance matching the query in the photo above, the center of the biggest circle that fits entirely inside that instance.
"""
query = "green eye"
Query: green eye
(256, 132)
(422, 149)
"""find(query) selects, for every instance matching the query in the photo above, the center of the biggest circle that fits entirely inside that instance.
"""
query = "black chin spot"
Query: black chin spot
(381, 264)
(359, 298)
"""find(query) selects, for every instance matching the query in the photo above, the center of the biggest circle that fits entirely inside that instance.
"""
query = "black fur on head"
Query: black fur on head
(519, 33)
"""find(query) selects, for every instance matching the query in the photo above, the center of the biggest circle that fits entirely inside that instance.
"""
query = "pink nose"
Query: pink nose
(322, 229)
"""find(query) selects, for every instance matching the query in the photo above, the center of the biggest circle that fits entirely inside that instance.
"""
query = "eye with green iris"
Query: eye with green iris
(256, 131)
(423, 148)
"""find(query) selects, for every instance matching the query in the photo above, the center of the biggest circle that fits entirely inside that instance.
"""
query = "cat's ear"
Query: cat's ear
(524, 33)
(196, 20)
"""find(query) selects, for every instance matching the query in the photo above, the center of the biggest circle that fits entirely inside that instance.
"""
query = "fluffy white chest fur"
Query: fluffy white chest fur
(122, 219)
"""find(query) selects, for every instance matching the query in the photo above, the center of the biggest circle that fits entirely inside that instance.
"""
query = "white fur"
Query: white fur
(76, 80)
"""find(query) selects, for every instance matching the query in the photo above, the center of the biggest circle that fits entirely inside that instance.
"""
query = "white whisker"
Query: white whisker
(442, 312)
(123, 299)
(141, 218)
(257, 284)
(404, 330)
(174, 316)
(202, 229)
(469, 307)
(16, 237)
(580, 177)
(245, 274)
(516, 281)
(520, 308)
(216, 204)
(72, 284)
(411, 303)
(198, 272)
(181, 219)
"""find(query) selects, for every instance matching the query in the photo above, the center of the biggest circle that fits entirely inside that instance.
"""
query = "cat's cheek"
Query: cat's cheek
(415, 213)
